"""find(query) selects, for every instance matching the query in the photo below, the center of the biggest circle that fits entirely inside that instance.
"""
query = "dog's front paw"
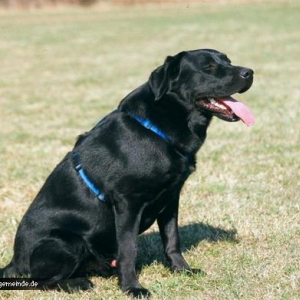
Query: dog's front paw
(138, 293)
(195, 271)
(198, 271)
(189, 271)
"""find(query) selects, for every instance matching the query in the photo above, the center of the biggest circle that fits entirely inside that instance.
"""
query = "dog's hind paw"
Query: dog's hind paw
(75, 285)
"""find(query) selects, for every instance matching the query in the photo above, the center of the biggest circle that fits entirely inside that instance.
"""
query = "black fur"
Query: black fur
(67, 228)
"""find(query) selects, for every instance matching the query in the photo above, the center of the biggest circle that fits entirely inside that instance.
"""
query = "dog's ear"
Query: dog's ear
(161, 78)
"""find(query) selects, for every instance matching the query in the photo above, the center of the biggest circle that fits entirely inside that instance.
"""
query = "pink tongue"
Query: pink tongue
(240, 109)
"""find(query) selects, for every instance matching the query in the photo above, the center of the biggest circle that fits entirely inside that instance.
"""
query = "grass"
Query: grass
(63, 70)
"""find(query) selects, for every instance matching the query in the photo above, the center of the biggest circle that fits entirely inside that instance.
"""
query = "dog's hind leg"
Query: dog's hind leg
(55, 260)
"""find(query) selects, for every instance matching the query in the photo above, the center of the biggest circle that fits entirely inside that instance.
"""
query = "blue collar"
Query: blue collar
(147, 124)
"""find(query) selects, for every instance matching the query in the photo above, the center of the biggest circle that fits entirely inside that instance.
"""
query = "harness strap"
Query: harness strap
(145, 123)
(85, 177)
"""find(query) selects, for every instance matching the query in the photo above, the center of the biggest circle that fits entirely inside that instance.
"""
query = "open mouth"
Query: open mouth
(227, 108)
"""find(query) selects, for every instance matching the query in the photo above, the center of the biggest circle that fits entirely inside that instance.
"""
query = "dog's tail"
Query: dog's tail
(8, 271)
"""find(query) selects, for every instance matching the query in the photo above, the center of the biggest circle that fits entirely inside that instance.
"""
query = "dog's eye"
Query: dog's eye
(213, 66)
(210, 67)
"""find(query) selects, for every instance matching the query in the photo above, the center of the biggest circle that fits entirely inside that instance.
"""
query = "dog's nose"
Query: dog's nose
(246, 73)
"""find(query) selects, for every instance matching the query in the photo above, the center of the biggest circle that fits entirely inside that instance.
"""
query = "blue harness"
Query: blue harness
(85, 177)
(89, 183)
(147, 124)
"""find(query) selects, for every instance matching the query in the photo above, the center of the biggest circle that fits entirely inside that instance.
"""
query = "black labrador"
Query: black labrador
(125, 174)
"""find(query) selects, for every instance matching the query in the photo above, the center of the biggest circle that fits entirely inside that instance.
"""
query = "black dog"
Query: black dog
(127, 173)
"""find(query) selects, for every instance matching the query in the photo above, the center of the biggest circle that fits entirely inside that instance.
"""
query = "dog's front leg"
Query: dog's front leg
(127, 219)
(168, 227)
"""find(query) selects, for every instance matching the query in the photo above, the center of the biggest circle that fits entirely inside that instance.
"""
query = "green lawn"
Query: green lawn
(61, 71)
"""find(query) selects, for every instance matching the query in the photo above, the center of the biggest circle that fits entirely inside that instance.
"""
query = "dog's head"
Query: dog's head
(205, 79)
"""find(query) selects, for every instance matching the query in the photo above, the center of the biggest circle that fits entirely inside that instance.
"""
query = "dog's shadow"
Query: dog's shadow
(150, 245)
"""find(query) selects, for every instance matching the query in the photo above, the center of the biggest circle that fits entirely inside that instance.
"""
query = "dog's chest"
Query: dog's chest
(168, 195)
